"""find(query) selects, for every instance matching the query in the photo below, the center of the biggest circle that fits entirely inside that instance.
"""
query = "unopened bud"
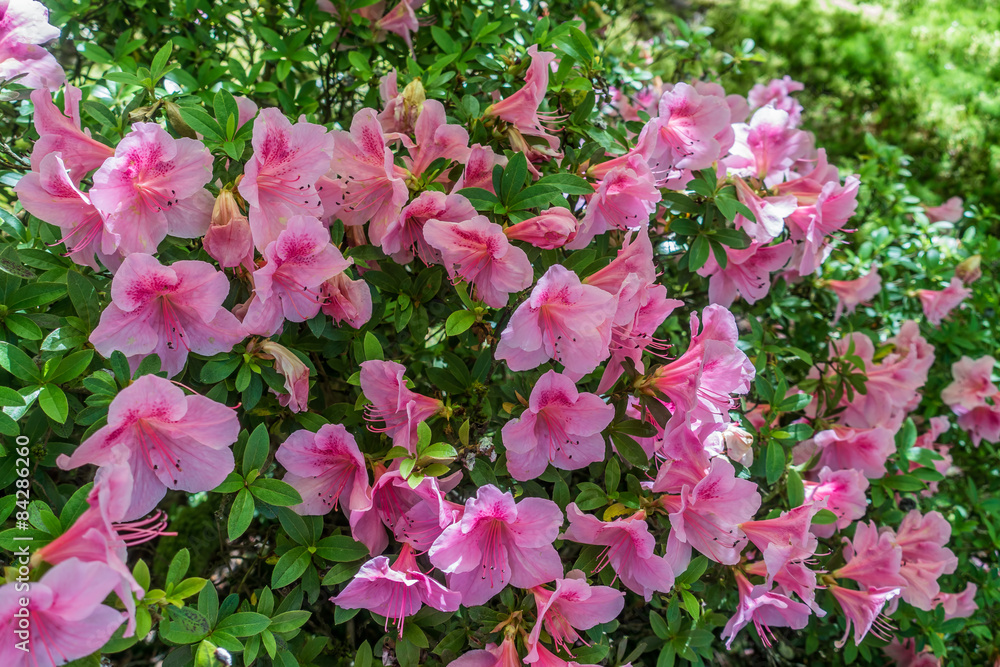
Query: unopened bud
(969, 270)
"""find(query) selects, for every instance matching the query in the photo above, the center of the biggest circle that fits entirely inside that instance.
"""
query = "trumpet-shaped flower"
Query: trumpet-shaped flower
(327, 469)
(863, 610)
(853, 293)
(59, 132)
(625, 198)
(765, 610)
(747, 272)
(550, 229)
(401, 409)
(24, 25)
(922, 538)
(873, 558)
(866, 450)
(347, 300)
(573, 605)
(404, 237)
(939, 303)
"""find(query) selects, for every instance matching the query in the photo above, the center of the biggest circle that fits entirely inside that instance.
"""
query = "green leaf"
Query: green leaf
(202, 122)
(178, 567)
(290, 567)
(459, 322)
(629, 449)
(184, 625)
(775, 463)
(481, 199)
(244, 624)
(35, 294)
(513, 176)
(71, 367)
(905, 483)
(373, 349)
(734, 238)
(534, 196)
(275, 492)
(289, 620)
(240, 514)
(53, 402)
(340, 549)
(10, 398)
(160, 60)
(824, 517)
(698, 254)
(217, 371)
(23, 327)
(795, 488)
(258, 446)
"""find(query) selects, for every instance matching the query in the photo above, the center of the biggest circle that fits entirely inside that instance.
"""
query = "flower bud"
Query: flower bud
(295, 372)
(551, 229)
(229, 240)
(969, 270)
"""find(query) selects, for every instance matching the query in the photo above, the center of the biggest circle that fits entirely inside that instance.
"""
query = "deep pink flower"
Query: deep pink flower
(573, 605)
(50, 195)
(365, 184)
(867, 450)
(498, 542)
(404, 237)
(950, 211)
(383, 384)
(172, 441)
(972, 383)
(778, 93)
(395, 591)
(295, 373)
(844, 494)
(59, 132)
(521, 108)
(747, 273)
(504, 655)
(550, 229)
(478, 171)
(958, 605)
(765, 610)
(229, 239)
(873, 558)
(327, 469)
(477, 251)
(701, 381)
(863, 610)
(154, 186)
(347, 300)
(561, 426)
(982, 422)
(767, 147)
(625, 198)
(923, 537)
(435, 138)
(67, 618)
(296, 265)
(853, 293)
(707, 515)
(168, 311)
(24, 24)
(938, 303)
(628, 548)
(279, 180)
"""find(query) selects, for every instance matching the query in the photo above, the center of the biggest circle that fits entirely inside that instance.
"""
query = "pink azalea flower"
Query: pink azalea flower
(950, 211)
(747, 272)
(168, 311)
(287, 287)
(59, 132)
(229, 239)
(873, 558)
(172, 441)
(798, 579)
(972, 383)
(295, 373)
(863, 610)
(383, 384)
(499, 542)
(824, 205)
(395, 591)
(435, 139)
(521, 108)
(938, 303)
(154, 186)
(564, 320)
(785, 539)
(24, 24)
(769, 212)
(635, 256)
(707, 515)
(279, 180)
(573, 605)
(982, 422)
(477, 251)
(561, 426)
(958, 605)
(905, 654)
(543, 657)
(700, 382)
(686, 451)
(853, 293)
(628, 548)
(68, 620)
(778, 93)
(844, 494)
(401, 109)
(478, 171)
(50, 195)
(767, 147)
(922, 539)
(625, 198)
(504, 655)
(347, 300)
(370, 186)
(327, 469)
(866, 450)
(400, 20)
(765, 610)
(548, 230)
(404, 237)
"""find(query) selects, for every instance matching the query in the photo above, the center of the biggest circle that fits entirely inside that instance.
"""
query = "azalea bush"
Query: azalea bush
(352, 333)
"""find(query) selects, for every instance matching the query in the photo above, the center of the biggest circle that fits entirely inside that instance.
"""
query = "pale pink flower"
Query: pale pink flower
(938, 303)
(573, 605)
(478, 171)
(404, 237)
(477, 251)
(863, 610)
(635, 256)
(67, 618)
(347, 300)
(950, 211)
(958, 605)
(395, 591)
(982, 422)
(778, 93)
(287, 286)
(279, 180)
(400, 20)
(564, 320)
(853, 293)
(168, 311)
(768, 147)
(295, 374)
(383, 384)
(866, 450)
(708, 514)
(435, 138)
(365, 185)
(625, 198)
(229, 239)
(561, 426)
(59, 132)
(628, 548)
(521, 108)
(872, 558)
(747, 272)
(50, 195)
(548, 230)
(972, 383)
(769, 212)
(844, 494)
(24, 24)
(499, 542)
(327, 469)
(765, 610)
(784, 539)
(925, 556)
(905, 654)
(154, 186)
(172, 441)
